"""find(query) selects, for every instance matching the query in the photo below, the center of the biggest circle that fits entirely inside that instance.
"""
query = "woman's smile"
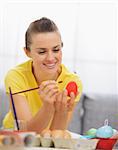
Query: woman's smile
(50, 65)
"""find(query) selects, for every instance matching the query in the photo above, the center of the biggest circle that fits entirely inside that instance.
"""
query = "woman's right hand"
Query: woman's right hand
(48, 91)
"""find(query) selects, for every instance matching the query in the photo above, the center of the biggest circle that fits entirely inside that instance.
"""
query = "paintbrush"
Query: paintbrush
(30, 89)
(14, 109)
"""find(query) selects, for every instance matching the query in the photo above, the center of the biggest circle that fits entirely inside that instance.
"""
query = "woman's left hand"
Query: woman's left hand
(63, 109)
(71, 101)
(63, 104)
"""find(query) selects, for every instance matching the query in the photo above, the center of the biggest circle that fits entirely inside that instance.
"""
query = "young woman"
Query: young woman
(49, 106)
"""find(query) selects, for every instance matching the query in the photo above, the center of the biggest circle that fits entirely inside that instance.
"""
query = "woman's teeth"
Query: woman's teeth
(50, 65)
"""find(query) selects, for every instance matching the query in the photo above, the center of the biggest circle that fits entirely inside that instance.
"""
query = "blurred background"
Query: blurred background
(89, 33)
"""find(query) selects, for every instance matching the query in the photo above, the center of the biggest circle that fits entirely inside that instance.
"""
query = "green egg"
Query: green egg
(91, 132)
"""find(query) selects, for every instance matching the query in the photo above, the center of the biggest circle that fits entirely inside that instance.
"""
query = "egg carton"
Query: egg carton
(30, 139)
(68, 143)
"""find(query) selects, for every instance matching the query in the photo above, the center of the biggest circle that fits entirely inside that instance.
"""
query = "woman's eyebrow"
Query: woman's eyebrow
(41, 48)
(56, 46)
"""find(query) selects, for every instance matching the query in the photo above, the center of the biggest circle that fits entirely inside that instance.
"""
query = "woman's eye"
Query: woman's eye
(41, 52)
(56, 50)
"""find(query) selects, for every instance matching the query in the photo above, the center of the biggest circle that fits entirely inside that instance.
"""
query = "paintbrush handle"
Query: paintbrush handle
(26, 90)
(30, 89)
(14, 109)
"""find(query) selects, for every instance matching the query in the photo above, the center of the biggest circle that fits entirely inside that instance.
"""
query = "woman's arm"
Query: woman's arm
(63, 111)
(40, 121)
(34, 123)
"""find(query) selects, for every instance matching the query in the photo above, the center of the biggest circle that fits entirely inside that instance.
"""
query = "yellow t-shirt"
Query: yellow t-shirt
(21, 78)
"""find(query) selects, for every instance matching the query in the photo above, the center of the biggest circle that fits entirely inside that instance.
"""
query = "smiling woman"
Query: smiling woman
(49, 106)
(46, 53)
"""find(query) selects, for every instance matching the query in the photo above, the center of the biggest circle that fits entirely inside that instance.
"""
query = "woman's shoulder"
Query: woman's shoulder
(66, 76)
(19, 70)
(25, 66)
(67, 72)
(18, 76)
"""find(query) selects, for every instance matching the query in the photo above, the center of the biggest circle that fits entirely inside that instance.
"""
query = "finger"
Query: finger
(64, 97)
(58, 101)
(72, 95)
(50, 88)
(59, 97)
(63, 102)
(71, 101)
(52, 93)
(47, 87)
(44, 84)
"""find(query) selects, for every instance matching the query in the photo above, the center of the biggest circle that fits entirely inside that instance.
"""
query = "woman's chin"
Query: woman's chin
(50, 72)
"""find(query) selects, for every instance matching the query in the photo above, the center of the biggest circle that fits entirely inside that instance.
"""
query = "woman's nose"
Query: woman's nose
(50, 56)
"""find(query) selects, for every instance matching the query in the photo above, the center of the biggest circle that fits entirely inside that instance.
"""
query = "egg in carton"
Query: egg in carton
(46, 140)
(10, 138)
(37, 141)
(62, 139)
(28, 137)
(6, 140)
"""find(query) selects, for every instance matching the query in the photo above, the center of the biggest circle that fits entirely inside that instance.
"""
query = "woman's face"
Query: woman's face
(45, 52)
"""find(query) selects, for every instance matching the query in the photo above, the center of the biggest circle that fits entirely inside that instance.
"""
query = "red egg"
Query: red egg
(71, 87)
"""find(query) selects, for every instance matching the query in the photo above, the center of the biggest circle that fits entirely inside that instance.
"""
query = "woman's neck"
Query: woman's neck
(40, 77)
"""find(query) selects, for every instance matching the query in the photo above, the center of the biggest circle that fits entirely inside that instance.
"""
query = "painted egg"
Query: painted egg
(91, 132)
(71, 87)
(104, 132)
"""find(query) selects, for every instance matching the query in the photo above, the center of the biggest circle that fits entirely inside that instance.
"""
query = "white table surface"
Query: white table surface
(41, 148)
(29, 148)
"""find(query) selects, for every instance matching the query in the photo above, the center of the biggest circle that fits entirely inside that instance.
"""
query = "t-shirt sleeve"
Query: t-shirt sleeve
(15, 81)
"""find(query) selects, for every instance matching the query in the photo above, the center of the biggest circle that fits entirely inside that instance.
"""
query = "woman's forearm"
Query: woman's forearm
(60, 121)
(41, 120)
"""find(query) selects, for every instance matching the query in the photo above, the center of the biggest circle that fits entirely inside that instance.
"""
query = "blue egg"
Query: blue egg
(104, 132)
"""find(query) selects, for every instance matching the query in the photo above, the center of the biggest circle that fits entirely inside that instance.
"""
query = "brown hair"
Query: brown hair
(42, 25)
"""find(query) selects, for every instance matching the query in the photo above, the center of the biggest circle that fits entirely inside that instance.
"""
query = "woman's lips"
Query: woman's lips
(50, 66)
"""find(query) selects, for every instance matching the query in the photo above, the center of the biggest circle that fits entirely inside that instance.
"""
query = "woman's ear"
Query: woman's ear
(62, 44)
(27, 52)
